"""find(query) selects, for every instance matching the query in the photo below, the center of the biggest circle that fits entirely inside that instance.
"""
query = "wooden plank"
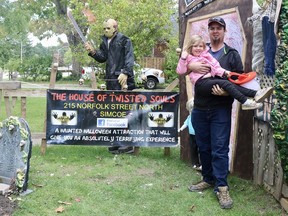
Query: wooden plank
(189, 87)
(43, 146)
(93, 80)
(171, 86)
(38, 135)
(26, 93)
(284, 203)
(271, 158)
(285, 190)
(276, 188)
(262, 157)
(255, 151)
(51, 86)
(7, 106)
(279, 180)
(167, 151)
(14, 100)
(10, 85)
(23, 107)
(53, 75)
(136, 150)
(152, 62)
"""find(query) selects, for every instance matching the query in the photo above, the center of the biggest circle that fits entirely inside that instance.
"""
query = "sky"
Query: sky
(47, 42)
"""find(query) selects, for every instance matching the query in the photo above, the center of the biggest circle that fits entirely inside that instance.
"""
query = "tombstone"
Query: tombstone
(15, 153)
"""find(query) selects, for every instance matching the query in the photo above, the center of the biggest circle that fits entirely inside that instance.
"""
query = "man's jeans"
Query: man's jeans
(269, 44)
(212, 130)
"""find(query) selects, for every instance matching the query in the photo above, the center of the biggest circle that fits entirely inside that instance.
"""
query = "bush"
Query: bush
(36, 68)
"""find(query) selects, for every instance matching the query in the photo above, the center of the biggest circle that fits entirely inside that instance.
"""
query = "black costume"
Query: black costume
(119, 58)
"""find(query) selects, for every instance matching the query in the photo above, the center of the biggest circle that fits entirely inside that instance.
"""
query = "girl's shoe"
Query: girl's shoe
(251, 105)
(198, 168)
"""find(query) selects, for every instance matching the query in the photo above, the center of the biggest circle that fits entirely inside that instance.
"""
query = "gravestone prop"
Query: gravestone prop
(15, 153)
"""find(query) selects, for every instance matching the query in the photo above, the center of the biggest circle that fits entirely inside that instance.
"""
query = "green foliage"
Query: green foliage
(279, 117)
(13, 33)
(171, 61)
(36, 68)
(145, 22)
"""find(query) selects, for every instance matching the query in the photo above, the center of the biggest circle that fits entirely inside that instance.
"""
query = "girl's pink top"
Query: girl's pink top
(205, 57)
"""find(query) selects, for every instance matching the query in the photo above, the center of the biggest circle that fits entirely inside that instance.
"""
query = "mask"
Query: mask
(109, 28)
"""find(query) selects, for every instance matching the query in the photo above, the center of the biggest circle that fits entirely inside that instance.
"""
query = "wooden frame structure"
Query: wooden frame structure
(235, 13)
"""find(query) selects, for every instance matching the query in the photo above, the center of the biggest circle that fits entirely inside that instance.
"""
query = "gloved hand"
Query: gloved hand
(88, 46)
(144, 77)
(122, 79)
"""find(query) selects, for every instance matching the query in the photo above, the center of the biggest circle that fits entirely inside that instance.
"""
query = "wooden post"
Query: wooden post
(43, 146)
(23, 107)
(14, 100)
(7, 106)
(93, 80)
(53, 75)
(169, 88)
(136, 150)
(172, 85)
(167, 151)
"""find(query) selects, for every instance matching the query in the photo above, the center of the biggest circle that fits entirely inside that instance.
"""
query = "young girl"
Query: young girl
(196, 51)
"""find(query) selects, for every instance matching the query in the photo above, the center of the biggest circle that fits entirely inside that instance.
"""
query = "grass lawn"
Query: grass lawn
(35, 112)
(88, 180)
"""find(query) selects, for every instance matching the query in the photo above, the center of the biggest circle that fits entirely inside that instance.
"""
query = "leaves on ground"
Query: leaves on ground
(60, 209)
(65, 203)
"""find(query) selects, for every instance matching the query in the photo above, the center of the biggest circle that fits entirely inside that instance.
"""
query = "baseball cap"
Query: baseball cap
(218, 20)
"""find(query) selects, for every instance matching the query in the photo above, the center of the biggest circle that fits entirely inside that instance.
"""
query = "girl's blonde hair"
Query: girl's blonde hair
(193, 40)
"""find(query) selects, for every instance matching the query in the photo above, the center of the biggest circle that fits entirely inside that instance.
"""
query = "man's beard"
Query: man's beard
(216, 40)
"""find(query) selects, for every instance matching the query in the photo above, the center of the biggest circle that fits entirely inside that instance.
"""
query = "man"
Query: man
(117, 51)
(212, 118)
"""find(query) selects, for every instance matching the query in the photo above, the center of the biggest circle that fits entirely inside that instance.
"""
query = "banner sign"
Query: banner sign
(109, 118)
(197, 7)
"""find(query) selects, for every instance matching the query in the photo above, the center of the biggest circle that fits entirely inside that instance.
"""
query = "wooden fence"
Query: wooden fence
(152, 62)
(267, 169)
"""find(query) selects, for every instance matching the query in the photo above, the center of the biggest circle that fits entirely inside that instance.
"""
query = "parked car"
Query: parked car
(149, 77)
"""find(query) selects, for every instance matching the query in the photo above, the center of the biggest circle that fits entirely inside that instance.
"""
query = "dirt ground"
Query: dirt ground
(6, 206)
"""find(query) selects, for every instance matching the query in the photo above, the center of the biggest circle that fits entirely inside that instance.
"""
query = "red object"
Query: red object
(241, 78)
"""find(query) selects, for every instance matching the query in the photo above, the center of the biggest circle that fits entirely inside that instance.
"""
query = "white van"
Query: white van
(151, 77)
